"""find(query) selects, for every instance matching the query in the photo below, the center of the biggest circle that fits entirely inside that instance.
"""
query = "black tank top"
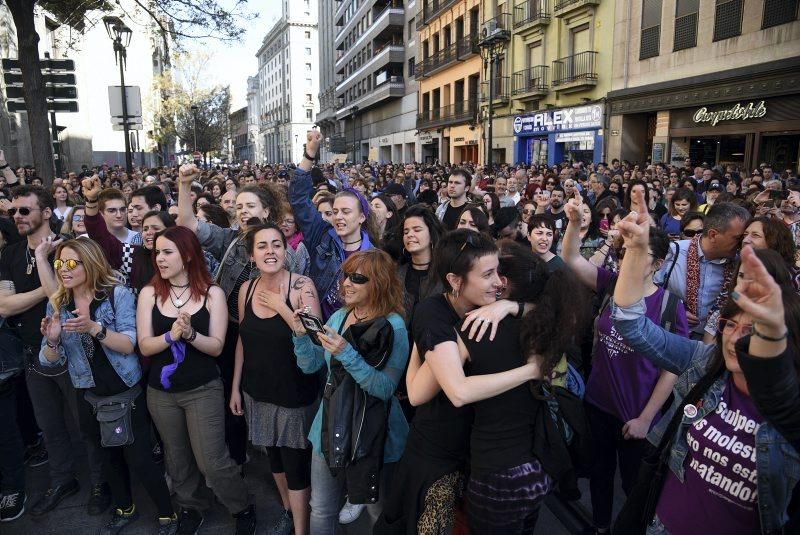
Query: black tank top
(197, 368)
(270, 372)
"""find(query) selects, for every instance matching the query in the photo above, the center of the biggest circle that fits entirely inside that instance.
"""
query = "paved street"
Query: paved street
(71, 518)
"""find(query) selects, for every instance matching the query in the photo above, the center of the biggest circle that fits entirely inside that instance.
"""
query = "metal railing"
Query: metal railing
(563, 4)
(459, 112)
(499, 88)
(531, 11)
(467, 45)
(533, 79)
(501, 24)
(435, 7)
(575, 68)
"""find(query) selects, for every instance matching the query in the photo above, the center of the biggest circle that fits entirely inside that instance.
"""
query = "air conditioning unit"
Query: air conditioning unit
(489, 28)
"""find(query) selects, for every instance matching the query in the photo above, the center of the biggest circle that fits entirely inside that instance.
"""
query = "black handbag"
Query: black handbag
(640, 507)
(114, 414)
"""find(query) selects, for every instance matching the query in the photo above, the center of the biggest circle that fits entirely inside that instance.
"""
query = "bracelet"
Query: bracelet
(770, 338)
(192, 336)
(309, 158)
(520, 309)
(4, 166)
(53, 346)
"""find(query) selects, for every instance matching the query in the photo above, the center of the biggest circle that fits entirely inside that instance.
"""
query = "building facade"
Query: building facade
(714, 81)
(288, 81)
(254, 139)
(375, 92)
(238, 146)
(550, 84)
(326, 118)
(449, 71)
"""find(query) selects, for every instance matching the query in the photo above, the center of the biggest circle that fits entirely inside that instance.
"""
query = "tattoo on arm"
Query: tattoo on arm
(304, 287)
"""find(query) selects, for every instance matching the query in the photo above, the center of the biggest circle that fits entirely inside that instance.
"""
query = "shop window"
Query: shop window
(686, 24)
(728, 19)
(779, 12)
(651, 29)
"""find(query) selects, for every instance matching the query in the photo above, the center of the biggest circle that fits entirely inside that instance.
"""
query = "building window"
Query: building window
(308, 98)
(308, 67)
(411, 28)
(308, 35)
(686, 24)
(411, 67)
(728, 19)
(309, 115)
(779, 12)
(651, 29)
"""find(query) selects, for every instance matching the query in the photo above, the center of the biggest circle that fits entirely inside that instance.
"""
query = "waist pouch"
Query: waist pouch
(114, 415)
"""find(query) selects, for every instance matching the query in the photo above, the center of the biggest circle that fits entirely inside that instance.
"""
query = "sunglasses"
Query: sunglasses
(469, 241)
(689, 233)
(729, 327)
(70, 264)
(356, 278)
(77, 218)
(22, 211)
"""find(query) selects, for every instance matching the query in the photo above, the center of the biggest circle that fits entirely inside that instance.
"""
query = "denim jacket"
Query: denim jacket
(381, 384)
(324, 246)
(777, 461)
(120, 319)
(217, 240)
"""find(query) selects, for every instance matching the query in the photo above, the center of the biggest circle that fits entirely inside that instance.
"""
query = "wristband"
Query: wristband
(88, 200)
(770, 338)
(192, 336)
(53, 346)
(520, 309)
(309, 158)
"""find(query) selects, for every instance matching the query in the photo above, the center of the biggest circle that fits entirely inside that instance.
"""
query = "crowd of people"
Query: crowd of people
(438, 347)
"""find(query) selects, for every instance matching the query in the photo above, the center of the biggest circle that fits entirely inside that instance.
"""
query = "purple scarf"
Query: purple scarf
(178, 349)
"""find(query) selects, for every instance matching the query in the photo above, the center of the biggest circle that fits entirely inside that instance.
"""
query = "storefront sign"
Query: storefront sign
(751, 110)
(426, 139)
(578, 118)
(456, 140)
(568, 137)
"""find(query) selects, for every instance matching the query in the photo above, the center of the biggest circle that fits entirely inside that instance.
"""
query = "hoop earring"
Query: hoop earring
(454, 293)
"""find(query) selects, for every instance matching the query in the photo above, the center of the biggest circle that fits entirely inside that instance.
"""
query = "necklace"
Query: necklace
(31, 261)
(358, 318)
(420, 263)
(178, 302)
(352, 242)
(180, 285)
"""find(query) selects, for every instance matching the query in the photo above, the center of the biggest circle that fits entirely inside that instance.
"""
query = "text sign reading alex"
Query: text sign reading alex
(577, 118)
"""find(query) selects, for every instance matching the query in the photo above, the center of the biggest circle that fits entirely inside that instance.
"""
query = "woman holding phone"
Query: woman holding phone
(278, 400)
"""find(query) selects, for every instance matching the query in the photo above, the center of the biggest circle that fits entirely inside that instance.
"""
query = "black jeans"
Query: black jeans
(118, 463)
(53, 397)
(610, 445)
(12, 450)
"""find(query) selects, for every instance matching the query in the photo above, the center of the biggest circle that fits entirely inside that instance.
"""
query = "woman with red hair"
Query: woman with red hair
(181, 321)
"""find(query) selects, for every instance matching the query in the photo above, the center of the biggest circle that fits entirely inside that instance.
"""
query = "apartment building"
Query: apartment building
(375, 93)
(550, 82)
(326, 118)
(714, 81)
(449, 72)
(288, 81)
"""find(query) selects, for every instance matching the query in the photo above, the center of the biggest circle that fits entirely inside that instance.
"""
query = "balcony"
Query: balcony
(562, 8)
(467, 46)
(575, 73)
(439, 61)
(387, 87)
(499, 87)
(531, 83)
(460, 112)
(389, 53)
(389, 20)
(531, 14)
(497, 29)
(432, 9)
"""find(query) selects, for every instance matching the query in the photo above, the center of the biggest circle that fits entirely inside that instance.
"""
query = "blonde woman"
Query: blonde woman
(91, 325)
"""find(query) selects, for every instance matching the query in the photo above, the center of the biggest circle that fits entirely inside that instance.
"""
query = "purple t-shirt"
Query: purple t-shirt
(622, 380)
(720, 489)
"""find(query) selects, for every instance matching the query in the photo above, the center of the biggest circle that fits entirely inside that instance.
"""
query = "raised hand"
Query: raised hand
(635, 230)
(759, 295)
(91, 187)
(188, 173)
(313, 140)
(573, 208)
(45, 247)
(51, 329)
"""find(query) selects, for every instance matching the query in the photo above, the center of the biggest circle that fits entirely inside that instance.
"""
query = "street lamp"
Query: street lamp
(354, 112)
(492, 46)
(194, 115)
(121, 36)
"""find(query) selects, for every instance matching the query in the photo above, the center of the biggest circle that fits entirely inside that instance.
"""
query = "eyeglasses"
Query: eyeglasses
(70, 264)
(356, 278)
(77, 218)
(22, 211)
(729, 327)
(690, 233)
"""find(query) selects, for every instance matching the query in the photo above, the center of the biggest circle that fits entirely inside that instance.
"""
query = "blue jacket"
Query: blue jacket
(120, 319)
(381, 384)
(777, 461)
(324, 245)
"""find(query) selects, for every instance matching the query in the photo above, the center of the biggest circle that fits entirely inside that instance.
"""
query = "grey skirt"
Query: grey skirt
(275, 426)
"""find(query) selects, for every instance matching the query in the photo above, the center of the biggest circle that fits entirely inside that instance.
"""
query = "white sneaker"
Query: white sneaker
(350, 512)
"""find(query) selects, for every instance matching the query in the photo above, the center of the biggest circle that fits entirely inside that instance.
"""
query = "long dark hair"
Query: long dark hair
(435, 227)
(555, 323)
(192, 255)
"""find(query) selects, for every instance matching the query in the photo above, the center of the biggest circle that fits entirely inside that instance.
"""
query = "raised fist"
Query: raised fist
(188, 173)
(313, 140)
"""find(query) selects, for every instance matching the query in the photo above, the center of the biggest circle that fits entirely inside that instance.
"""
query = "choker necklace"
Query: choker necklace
(421, 263)
(179, 285)
(178, 302)
(359, 240)
(359, 319)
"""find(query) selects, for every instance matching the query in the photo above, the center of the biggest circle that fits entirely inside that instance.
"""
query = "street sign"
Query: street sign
(50, 79)
(133, 97)
(52, 64)
(69, 106)
(57, 92)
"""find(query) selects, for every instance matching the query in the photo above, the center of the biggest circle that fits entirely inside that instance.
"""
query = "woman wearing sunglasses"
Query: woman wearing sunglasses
(730, 470)
(91, 324)
(365, 348)
(181, 321)
(278, 400)
(691, 224)
(74, 224)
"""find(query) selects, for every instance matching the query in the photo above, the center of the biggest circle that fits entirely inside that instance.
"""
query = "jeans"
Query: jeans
(191, 427)
(52, 396)
(121, 461)
(327, 496)
(12, 450)
(610, 445)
